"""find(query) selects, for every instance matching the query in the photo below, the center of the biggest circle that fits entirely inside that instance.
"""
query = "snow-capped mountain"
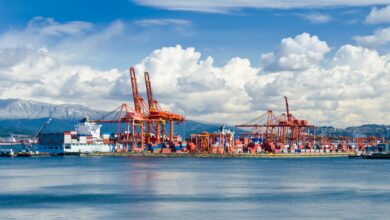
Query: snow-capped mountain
(27, 109)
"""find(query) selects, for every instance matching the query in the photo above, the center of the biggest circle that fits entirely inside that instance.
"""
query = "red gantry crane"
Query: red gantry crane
(285, 129)
(158, 116)
(125, 115)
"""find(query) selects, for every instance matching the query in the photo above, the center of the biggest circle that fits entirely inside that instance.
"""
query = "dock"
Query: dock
(203, 155)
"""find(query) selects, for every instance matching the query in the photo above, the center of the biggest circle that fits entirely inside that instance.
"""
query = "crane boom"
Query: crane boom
(42, 128)
(149, 93)
(134, 86)
(287, 109)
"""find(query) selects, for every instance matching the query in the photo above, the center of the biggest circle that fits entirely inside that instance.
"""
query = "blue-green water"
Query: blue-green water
(193, 188)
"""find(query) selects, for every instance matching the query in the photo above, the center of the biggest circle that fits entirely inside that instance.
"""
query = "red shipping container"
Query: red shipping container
(253, 150)
(246, 140)
(165, 150)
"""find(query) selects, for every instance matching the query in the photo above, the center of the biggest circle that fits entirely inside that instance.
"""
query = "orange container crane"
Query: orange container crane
(139, 106)
(265, 126)
(296, 129)
(139, 103)
(289, 116)
(283, 129)
(159, 116)
(124, 115)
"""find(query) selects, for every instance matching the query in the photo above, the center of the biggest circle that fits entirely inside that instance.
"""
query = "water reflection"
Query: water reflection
(185, 188)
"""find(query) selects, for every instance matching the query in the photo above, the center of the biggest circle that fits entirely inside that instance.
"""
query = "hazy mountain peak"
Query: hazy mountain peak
(29, 109)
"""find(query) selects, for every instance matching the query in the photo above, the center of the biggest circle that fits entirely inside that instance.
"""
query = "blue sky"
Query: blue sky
(244, 32)
(219, 61)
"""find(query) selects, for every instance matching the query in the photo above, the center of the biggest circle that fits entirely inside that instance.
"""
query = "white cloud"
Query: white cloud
(358, 58)
(48, 26)
(351, 89)
(25, 64)
(317, 18)
(377, 16)
(296, 54)
(188, 83)
(65, 38)
(229, 5)
(43, 31)
(379, 38)
(162, 22)
(39, 74)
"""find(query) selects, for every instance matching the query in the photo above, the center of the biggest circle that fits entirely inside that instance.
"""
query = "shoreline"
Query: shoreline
(198, 155)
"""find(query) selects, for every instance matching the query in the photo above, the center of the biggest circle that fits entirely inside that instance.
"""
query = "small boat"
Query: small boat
(7, 153)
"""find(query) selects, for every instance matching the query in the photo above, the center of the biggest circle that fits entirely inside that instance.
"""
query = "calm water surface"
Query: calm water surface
(193, 188)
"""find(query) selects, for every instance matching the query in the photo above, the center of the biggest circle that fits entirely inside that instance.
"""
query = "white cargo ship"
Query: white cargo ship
(86, 138)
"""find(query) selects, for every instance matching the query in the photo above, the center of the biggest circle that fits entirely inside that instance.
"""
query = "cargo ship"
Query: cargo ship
(85, 138)
(150, 129)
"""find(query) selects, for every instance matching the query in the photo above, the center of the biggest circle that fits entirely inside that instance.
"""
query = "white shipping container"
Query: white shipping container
(83, 140)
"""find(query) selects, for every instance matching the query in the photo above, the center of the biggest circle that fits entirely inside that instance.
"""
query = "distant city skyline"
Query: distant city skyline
(217, 62)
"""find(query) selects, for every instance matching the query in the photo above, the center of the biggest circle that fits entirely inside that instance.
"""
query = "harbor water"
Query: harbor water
(193, 188)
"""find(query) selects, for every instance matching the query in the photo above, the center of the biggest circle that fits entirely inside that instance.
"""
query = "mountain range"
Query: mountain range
(27, 109)
(26, 117)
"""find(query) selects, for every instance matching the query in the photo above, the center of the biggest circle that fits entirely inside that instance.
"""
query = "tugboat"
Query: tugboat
(26, 150)
(7, 153)
(7, 147)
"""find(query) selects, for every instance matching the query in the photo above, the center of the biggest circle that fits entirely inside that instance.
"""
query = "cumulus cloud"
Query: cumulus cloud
(37, 61)
(230, 5)
(295, 54)
(358, 58)
(352, 88)
(377, 16)
(25, 64)
(39, 74)
(180, 77)
(379, 38)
